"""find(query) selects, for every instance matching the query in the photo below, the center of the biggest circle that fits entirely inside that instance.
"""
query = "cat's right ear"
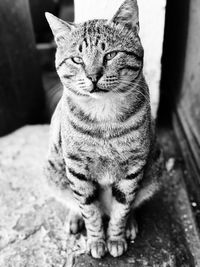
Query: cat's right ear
(128, 14)
(59, 27)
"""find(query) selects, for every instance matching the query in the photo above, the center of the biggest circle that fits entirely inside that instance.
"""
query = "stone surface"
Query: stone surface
(33, 224)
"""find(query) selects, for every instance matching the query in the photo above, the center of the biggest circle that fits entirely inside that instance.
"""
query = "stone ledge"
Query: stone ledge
(32, 222)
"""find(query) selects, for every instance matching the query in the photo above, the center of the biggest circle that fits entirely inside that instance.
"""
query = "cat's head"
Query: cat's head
(99, 56)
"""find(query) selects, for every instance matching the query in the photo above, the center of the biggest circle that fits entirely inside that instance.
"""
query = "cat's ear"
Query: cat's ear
(59, 27)
(128, 14)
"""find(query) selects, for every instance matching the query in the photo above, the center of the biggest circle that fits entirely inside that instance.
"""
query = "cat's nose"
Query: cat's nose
(94, 77)
(95, 74)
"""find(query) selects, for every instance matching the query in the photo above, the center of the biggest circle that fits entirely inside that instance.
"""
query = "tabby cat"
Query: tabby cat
(103, 157)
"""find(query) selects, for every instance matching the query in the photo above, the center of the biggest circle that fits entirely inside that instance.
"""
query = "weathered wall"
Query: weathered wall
(187, 109)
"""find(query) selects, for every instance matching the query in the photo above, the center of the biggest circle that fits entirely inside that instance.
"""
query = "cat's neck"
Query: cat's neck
(104, 108)
(108, 108)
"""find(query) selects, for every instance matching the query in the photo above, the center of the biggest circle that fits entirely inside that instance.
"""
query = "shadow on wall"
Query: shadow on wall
(62, 8)
(173, 59)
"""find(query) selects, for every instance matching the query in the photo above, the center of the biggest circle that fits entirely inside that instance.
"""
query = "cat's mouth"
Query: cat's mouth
(96, 89)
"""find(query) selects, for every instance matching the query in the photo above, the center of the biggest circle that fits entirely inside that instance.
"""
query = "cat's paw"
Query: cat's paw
(131, 229)
(75, 223)
(117, 247)
(97, 248)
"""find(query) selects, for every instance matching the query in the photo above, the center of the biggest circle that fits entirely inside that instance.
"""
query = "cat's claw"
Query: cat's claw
(97, 248)
(131, 229)
(117, 247)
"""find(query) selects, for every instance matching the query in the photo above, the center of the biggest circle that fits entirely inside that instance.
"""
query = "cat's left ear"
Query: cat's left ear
(128, 14)
(59, 27)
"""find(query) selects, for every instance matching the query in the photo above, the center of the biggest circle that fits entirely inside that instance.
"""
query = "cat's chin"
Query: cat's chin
(98, 93)
(96, 96)
(98, 90)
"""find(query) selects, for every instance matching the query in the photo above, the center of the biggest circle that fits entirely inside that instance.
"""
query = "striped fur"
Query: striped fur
(102, 157)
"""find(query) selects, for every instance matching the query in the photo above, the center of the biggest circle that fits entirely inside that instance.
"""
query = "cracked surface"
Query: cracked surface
(32, 224)
(33, 228)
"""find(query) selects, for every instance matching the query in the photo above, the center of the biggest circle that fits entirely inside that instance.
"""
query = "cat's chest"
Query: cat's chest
(108, 161)
(106, 153)
(105, 164)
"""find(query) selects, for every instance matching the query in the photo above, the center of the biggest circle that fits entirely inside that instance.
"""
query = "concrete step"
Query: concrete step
(33, 224)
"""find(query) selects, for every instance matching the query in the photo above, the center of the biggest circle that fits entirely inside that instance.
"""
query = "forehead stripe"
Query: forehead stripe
(97, 40)
(86, 42)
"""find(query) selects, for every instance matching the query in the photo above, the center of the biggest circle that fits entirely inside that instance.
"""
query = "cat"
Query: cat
(103, 156)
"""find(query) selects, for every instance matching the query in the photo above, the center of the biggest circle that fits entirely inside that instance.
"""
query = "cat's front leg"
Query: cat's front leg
(86, 193)
(124, 193)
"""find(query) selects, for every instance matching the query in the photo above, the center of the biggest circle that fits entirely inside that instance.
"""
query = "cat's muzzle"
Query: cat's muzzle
(96, 89)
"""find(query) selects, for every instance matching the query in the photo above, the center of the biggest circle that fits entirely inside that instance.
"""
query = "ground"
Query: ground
(33, 229)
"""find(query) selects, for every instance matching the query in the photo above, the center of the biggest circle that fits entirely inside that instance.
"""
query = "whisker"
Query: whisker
(136, 86)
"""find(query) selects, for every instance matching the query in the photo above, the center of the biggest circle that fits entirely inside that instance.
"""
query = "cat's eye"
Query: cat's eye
(110, 55)
(77, 60)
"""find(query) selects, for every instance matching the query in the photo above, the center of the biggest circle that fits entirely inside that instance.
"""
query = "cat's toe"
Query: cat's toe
(97, 248)
(75, 223)
(131, 229)
(117, 247)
